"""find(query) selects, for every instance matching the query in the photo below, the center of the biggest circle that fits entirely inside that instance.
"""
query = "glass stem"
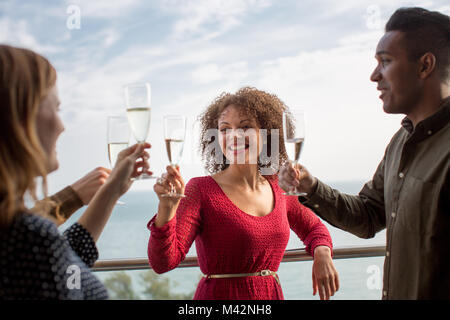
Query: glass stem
(172, 187)
(294, 165)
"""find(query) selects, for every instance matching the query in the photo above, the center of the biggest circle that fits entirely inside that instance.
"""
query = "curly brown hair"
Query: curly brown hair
(265, 108)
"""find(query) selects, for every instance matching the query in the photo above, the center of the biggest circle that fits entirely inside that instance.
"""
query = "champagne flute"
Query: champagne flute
(118, 135)
(137, 101)
(174, 136)
(294, 138)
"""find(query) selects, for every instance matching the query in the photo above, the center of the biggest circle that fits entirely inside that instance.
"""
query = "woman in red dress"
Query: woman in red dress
(238, 216)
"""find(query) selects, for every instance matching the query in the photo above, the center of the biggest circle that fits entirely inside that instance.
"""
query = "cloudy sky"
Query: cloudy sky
(315, 55)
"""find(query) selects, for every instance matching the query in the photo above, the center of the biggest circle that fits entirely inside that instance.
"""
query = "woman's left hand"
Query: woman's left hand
(324, 275)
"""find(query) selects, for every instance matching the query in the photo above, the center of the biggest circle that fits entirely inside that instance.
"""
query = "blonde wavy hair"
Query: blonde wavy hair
(25, 79)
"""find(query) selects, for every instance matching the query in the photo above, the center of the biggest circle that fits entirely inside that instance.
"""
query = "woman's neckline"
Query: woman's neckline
(242, 211)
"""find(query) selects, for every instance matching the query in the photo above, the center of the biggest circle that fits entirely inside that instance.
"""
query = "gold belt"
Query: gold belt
(238, 275)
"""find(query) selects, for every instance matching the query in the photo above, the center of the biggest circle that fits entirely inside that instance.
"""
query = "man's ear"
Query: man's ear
(427, 64)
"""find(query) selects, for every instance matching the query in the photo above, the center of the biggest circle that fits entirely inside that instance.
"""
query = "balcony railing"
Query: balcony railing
(289, 256)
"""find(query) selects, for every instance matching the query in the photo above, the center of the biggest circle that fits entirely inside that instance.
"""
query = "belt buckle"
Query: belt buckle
(265, 272)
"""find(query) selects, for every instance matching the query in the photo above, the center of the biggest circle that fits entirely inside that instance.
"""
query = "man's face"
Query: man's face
(396, 74)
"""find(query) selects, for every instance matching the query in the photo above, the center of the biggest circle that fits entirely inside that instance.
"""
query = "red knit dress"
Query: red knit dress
(229, 240)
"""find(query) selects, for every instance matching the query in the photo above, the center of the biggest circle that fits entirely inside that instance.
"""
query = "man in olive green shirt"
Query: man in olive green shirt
(409, 194)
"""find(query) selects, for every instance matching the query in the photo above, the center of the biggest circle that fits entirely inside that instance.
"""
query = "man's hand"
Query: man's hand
(88, 185)
(290, 178)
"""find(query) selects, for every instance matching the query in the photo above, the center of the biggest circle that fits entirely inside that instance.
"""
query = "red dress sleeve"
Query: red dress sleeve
(307, 225)
(169, 244)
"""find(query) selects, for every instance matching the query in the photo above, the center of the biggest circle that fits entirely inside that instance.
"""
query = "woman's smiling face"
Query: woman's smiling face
(239, 136)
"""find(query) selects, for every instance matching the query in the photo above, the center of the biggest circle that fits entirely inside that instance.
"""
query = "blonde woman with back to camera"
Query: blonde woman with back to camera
(35, 260)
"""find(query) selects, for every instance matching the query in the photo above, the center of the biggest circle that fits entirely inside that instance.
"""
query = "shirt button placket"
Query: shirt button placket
(388, 249)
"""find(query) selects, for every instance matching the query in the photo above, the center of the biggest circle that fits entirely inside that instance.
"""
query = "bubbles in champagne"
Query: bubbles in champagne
(114, 149)
(174, 149)
(294, 148)
(139, 120)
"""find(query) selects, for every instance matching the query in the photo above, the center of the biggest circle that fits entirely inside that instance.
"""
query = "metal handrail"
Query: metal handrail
(289, 256)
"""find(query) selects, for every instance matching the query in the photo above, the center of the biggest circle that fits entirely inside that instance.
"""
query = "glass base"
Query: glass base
(145, 176)
(173, 195)
(295, 193)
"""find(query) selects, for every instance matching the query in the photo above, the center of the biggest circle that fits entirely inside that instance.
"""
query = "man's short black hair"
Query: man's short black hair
(425, 31)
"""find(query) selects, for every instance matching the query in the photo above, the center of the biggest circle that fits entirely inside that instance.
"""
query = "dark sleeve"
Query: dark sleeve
(363, 215)
(82, 243)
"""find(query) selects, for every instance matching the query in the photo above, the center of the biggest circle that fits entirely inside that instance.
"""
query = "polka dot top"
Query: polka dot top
(37, 262)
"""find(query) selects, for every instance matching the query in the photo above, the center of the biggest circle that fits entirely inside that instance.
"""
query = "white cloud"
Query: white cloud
(111, 36)
(17, 33)
(104, 9)
(444, 9)
(234, 72)
(211, 17)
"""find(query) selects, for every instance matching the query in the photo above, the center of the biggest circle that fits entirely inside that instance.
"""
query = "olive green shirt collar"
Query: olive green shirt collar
(431, 124)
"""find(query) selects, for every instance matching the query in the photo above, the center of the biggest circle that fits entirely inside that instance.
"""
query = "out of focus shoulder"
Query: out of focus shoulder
(36, 226)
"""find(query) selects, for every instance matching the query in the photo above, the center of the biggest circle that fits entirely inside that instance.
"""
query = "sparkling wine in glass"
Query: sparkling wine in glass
(294, 139)
(174, 136)
(137, 101)
(118, 136)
